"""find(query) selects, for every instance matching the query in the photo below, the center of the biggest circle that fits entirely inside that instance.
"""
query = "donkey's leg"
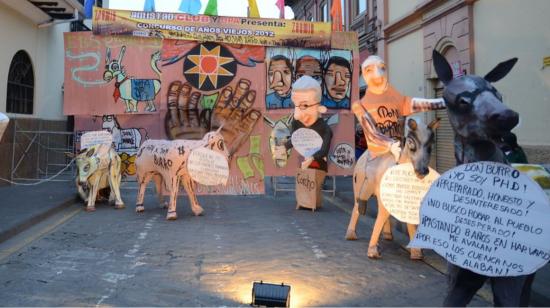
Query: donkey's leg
(127, 105)
(150, 106)
(416, 253)
(93, 193)
(386, 231)
(142, 181)
(172, 215)
(114, 183)
(361, 191)
(134, 104)
(189, 186)
(159, 185)
(381, 218)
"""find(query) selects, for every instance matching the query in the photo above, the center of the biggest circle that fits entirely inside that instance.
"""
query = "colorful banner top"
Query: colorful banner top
(233, 30)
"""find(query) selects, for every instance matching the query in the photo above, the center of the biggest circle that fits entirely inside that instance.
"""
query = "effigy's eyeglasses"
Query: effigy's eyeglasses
(306, 106)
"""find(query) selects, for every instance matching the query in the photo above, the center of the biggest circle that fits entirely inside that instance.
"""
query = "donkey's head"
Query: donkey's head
(113, 67)
(280, 134)
(474, 106)
(418, 145)
(215, 142)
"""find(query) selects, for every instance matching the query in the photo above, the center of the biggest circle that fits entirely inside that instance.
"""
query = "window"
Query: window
(20, 94)
(361, 6)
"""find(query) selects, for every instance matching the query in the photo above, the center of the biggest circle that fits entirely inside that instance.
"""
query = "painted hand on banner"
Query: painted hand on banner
(184, 119)
(234, 113)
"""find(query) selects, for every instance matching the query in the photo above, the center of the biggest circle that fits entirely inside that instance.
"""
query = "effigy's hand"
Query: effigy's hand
(185, 119)
(234, 113)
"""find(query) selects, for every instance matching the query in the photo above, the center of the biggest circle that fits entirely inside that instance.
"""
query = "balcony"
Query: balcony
(46, 11)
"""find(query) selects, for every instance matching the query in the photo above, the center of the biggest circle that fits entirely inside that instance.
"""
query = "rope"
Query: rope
(43, 180)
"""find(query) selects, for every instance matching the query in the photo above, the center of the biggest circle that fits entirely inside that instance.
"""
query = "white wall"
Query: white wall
(406, 66)
(45, 48)
(398, 8)
(509, 28)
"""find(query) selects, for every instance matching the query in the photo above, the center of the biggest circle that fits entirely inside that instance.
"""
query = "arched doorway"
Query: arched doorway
(444, 145)
(20, 90)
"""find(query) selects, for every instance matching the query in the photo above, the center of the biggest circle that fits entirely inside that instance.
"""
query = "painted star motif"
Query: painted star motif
(208, 64)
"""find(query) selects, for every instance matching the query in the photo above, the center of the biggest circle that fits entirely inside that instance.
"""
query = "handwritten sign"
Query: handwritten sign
(486, 217)
(402, 191)
(4, 120)
(208, 167)
(92, 138)
(343, 156)
(306, 141)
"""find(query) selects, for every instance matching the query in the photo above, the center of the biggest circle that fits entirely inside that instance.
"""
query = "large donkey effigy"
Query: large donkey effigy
(479, 119)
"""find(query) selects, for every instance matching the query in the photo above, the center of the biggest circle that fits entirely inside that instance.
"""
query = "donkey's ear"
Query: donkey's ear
(434, 124)
(412, 124)
(108, 56)
(501, 70)
(442, 67)
(268, 121)
(121, 54)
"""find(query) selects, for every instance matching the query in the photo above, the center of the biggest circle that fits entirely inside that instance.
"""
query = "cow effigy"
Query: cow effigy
(166, 163)
(98, 167)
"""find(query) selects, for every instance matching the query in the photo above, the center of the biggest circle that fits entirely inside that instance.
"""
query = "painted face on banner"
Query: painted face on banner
(280, 77)
(375, 77)
(309, 66)
(337, 81)
(306, 109)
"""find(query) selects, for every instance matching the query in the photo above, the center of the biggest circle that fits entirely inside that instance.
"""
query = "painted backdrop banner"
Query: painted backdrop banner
(222, 29)
(183, 89)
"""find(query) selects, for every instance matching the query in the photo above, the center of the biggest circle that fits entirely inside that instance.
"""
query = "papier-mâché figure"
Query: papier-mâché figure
(378, 113)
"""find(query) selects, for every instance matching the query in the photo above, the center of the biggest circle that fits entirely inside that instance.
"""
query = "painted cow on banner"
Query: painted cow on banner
(98, 167)
(165, 161)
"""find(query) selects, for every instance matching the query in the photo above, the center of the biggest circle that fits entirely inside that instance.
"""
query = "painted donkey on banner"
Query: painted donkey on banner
(132, 90)
(479, 120)
(165, 162)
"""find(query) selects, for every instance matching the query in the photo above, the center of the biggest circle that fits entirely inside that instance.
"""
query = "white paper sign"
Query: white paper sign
(402, 191)
(4, 120)
(486, 217)
(306, 141)
(90, 139)
(208, 167)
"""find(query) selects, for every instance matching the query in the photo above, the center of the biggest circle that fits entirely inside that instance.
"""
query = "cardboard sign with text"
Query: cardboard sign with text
(306, 141)
(92, 138)
(208, 167)
(308, 188)
(486, 217)
(402, 191)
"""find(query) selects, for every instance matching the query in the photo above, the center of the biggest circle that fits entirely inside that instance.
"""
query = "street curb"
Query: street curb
(13, 231)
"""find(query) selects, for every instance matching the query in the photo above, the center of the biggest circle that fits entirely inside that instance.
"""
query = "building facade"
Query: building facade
(474, 36)
(31, 77)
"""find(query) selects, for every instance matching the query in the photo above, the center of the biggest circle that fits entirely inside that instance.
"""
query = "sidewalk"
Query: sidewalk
(23, 206)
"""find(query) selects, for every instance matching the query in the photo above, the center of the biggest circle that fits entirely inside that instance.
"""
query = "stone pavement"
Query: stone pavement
(23, 206)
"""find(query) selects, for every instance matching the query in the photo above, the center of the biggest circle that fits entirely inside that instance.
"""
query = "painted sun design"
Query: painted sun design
(208, 65)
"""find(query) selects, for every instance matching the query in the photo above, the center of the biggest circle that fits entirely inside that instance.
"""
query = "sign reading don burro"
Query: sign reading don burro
(486, 217)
